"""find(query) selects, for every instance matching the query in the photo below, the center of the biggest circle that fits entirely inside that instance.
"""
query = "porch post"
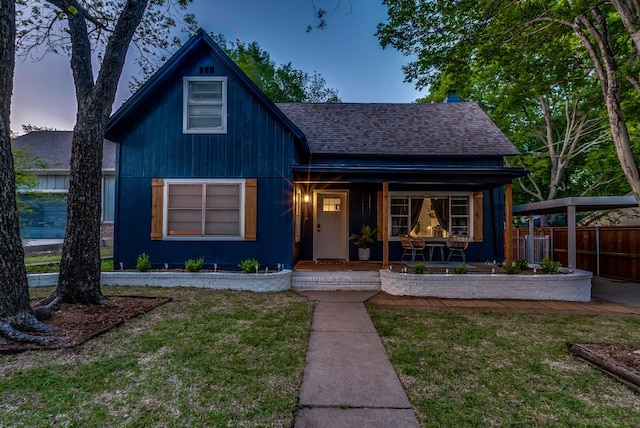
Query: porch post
(385, 224)
(508, 209)
(571, 239)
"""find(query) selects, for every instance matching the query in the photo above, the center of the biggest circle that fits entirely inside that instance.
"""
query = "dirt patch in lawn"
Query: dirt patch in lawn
(79, 323)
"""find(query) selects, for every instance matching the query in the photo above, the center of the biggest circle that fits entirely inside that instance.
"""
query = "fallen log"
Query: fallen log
(620, 372)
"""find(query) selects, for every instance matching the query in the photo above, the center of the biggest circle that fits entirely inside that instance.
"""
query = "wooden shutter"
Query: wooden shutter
(250, 209)
(478, 211)
(157, 196)
(380, 216)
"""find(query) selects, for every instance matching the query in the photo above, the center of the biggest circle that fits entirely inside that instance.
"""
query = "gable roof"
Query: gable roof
(193, 46)
(54, 148)
(451, 129)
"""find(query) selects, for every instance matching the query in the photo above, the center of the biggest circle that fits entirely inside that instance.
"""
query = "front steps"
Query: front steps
(335, 280)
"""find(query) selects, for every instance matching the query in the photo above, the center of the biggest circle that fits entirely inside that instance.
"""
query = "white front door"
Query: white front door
(330, 240)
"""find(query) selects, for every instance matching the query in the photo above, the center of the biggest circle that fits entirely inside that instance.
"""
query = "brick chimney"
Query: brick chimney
(452, 97)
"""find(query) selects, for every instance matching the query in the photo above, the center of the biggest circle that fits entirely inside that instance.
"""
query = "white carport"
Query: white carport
(571, 206)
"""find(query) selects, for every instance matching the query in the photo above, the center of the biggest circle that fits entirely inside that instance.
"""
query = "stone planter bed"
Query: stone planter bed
(476, 284)
(574, 286)
(260, 282)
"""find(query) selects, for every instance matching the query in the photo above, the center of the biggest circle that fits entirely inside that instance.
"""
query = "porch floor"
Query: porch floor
(372, 265)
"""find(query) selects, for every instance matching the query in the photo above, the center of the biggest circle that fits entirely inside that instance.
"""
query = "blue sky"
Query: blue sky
(346, 53)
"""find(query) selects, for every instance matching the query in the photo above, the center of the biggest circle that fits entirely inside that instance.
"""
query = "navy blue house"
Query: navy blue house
(208, 166)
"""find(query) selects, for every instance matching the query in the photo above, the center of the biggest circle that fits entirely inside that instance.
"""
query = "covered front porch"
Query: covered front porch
(327, 212)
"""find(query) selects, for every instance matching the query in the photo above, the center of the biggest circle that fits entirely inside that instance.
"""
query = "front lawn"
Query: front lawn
(207, 358)
(468, 369)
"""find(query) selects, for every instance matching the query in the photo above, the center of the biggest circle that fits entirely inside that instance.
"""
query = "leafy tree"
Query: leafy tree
(86, 30)
(446, 37)
(16, 315)
(281, 83)
(549, 116)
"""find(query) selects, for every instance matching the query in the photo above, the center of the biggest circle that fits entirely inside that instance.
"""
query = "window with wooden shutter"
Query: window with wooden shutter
(157, 191)
(192, 209)
(380, 216)
(251, 209)
(478, 212)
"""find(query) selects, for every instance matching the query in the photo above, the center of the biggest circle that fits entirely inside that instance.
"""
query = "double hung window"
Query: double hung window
(208, 209)
(430, 216)
(205, 105)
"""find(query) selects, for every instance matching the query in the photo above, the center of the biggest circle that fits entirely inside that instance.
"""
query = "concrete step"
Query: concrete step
(335, 280)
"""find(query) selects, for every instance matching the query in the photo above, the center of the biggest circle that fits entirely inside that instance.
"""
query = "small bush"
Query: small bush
(460, 270)
(419, 268)
(511, 268)
(143, 263)
(522, 263)
(549, 266)
(194, 265)
(249, 265)
(106, 265)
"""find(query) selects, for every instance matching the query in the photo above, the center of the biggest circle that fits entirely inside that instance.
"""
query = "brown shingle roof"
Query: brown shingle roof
(54, 148)
(453, 129)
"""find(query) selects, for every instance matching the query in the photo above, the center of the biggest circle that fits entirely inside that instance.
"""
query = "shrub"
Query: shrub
(549, 266)
(143, 263)
(511, 268)
(249, 265)
(522, 263)
(106, 265)
(460, 270)
(194, 265)
(419, 268)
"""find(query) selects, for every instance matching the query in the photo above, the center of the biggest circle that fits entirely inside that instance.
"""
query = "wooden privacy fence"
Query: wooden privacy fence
(612, 252)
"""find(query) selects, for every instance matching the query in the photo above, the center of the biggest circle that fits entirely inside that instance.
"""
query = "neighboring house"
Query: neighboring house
(47, 217)
(209, 166)
(619, 217)
(612, 217)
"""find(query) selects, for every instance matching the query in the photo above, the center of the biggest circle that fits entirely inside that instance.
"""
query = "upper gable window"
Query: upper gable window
(205, 105)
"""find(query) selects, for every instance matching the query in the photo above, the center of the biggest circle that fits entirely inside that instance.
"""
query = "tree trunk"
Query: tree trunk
(15, 311)
(14, 291)
(79, 280)
(606, 66)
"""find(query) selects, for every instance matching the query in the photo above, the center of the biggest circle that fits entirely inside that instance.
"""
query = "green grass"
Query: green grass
(468, 369)
(54, 257)
(207, 358)
(47, 263)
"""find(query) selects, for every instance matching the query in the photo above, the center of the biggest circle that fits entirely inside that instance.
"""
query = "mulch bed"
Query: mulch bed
(79, 323)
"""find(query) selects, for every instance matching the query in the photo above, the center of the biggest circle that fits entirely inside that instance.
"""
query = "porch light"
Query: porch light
(306, 199)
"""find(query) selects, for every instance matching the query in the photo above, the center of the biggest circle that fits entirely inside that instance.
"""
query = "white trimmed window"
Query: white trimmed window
(210, 209)
(205, 105)
(430, 216)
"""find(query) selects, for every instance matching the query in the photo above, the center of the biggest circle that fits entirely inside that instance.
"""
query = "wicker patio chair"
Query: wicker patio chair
(412, 246)
(457, 244)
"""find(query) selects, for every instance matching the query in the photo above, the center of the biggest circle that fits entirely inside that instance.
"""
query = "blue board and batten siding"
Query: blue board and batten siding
(256, 145)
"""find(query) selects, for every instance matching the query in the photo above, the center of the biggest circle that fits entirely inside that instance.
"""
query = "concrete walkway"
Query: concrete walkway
(348, 380)
(616, 290)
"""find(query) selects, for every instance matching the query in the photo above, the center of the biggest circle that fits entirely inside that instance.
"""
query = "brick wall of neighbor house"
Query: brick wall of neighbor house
(106, 234)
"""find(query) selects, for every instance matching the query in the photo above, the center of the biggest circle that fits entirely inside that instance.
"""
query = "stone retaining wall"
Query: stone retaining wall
(263, 282)
(574, 286)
